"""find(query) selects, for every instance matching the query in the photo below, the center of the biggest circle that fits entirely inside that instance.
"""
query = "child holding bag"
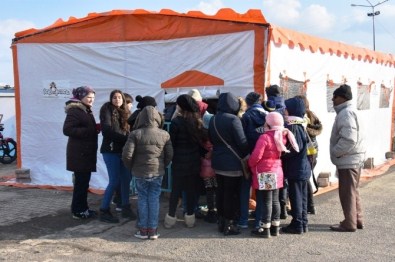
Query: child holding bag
(267, 178)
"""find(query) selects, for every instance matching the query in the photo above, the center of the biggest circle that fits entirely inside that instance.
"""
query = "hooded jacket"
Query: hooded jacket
(231, 129)
(253, 121)
(80, 127)
(347, 148)
(148, 150)
(295, 164)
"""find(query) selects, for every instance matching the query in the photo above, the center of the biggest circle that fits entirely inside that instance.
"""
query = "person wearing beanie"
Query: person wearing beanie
(274, 93)
(82, 132)
(186, 137)
(265, 158)
(141, 103)
(296, 167)
(253, 121)
(347, 152)
(226, 126)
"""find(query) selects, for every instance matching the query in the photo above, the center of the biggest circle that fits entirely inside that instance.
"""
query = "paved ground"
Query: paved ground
(35, 225)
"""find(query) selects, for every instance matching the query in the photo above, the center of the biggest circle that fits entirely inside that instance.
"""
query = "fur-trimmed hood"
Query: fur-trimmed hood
(73, 103)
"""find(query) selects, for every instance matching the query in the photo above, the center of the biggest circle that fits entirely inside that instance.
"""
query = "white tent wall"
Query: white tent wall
(317, 67)
(7, 108)
(137, 68)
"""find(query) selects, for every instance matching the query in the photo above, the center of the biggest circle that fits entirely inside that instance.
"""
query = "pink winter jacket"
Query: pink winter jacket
(266, 158)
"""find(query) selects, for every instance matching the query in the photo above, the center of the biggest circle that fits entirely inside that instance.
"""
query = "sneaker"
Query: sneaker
(153, 234)
(83, 215)
(142, 234)
(106, 216)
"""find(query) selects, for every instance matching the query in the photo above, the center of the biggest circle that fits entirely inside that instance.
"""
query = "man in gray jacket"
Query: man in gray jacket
(347, 153)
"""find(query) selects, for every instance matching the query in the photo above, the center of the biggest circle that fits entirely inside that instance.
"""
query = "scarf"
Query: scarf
(279, 132)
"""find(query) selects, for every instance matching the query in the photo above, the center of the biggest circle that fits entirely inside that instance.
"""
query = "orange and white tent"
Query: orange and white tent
(139, 52)
(158, 53)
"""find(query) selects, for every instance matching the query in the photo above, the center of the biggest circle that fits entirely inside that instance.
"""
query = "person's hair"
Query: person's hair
(194, 124)
(128, 98)
(123, 110)
(243, 106)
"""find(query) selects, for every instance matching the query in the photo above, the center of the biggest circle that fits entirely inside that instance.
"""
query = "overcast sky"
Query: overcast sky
(332, 19)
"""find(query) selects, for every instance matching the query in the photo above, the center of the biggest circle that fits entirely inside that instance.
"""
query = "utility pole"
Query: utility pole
(372, 14)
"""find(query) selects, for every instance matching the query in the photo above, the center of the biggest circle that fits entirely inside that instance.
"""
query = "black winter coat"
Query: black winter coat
(186, 157)
(114, 138)
(80, 127)
(231, 129)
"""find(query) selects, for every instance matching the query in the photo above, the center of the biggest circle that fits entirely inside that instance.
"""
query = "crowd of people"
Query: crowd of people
(206, 148)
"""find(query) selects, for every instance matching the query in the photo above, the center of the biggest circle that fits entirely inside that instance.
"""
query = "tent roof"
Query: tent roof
(225, 14)
(292, 38)
(279, 35)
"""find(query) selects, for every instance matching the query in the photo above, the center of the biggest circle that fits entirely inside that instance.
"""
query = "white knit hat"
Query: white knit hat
(195, 94)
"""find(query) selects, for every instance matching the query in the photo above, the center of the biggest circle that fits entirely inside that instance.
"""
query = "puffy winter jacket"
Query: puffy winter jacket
(148, 149)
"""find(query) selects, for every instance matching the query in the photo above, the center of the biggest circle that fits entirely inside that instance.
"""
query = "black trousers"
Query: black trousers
(79, 203)
(298, 197)
(228, 197)
(188, 184)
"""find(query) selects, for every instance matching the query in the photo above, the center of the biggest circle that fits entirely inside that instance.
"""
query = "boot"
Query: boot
(189, 220)
(221, 224)
(106, 216)
(230, 228)
(263, 231)
(169, 221)
(283, 213)
(127, 212)
(275, 228)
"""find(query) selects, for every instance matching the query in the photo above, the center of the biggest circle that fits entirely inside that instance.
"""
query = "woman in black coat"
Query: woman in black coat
(81, 154)
(186, 134)
(226, 125)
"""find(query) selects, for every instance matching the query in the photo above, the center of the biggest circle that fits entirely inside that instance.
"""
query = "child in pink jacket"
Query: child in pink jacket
(267, 178)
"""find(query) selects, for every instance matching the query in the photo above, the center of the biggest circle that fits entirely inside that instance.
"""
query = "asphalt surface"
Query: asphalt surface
(36, 225)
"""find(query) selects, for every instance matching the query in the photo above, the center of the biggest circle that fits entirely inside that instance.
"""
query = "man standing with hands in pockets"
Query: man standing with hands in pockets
(347, 153)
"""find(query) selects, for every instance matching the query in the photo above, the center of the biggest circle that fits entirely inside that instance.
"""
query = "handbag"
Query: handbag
(243, 161)
(312, 150)
(267, 180)
(311, 146)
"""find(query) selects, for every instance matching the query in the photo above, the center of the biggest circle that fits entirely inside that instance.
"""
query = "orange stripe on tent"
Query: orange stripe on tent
(192, 78)
(292, 38)
(17, 105)
(225, 14)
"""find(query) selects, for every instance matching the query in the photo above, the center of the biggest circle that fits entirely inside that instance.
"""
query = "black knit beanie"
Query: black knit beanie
(343, 91)
(145, 101)
(187, 103)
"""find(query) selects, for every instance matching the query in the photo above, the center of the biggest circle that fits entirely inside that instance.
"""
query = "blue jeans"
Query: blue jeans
(118, 174)
(149, 190)
(244, 201)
